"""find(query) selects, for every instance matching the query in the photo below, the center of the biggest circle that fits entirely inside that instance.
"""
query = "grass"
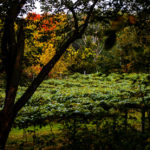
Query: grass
(84, 94)
(18, 136)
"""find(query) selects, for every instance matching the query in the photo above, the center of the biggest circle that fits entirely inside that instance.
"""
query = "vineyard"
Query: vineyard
(95, 112)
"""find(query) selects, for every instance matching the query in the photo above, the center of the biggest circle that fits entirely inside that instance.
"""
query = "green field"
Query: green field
(94, 111)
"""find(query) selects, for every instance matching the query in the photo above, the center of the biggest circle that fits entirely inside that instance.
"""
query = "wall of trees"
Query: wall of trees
(129, 53)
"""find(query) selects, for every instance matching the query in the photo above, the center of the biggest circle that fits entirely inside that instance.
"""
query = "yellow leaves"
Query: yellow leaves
(71, 55)
(48, 53)
(87, 52)
(40, 45)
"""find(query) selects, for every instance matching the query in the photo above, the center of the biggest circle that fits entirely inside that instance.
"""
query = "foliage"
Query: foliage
(89, 107)
(127, 55)
(83, 54)
(83, 94)
(79, 14)
(40, 46)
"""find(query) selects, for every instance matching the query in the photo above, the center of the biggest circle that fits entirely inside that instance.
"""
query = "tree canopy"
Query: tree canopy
(78, 14)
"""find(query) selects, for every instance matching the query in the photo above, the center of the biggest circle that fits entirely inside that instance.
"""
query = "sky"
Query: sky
(37, 10)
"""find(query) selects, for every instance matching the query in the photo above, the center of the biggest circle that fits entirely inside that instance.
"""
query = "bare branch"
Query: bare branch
(74, 17)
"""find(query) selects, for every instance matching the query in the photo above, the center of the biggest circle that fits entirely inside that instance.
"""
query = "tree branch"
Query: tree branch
(84, 26)
(74, 17)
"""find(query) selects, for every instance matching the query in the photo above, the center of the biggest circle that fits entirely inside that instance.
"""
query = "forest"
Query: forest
(76, 75)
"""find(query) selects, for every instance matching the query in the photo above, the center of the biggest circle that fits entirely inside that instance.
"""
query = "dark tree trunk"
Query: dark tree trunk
(12, 64)
(6, 121)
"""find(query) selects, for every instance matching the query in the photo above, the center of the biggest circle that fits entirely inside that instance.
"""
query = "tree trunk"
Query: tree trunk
(6, 121)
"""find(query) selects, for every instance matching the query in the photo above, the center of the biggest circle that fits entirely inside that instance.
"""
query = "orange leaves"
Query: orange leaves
(48, 25)
(126, 68)
(47, 22)
(33, 16)
(132, 19)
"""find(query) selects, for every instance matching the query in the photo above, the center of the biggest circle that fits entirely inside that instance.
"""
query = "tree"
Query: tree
(131, 51)
(82, 57)
(12, 52)
(134, 53)
(79, 14)
(43, 32)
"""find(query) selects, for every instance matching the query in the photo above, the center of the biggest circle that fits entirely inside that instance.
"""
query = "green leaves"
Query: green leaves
(83, 95)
